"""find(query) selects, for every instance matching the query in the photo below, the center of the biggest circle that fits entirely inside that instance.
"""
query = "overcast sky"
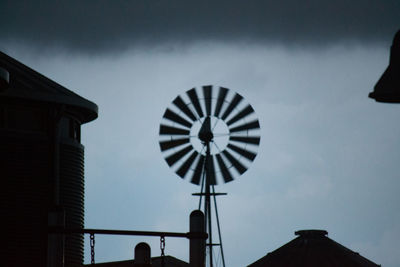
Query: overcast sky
(102, 27)
(328, 157)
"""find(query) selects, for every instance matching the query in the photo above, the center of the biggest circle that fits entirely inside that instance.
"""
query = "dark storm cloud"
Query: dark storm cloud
(109, 25)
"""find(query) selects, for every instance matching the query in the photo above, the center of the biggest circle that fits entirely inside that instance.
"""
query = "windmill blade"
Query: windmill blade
(165, 145)
(184, 168)
(255, 140)
(236, 100)
(172, 116)
(198, 171)
(224, 170)
(221, 99)
(247, 154)
(207, 92)
(210, 171)
(238, 166)
(195, 100)
(243, 113)
(247, 126)
(178, 102)
(172, 159)
(169, 130)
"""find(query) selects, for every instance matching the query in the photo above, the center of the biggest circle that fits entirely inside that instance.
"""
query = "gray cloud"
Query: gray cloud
(103, 26)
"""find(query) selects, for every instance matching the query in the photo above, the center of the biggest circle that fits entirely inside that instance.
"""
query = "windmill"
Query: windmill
(207, 140)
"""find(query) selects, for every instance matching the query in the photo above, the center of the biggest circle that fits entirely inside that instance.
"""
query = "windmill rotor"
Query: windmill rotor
(211, 129)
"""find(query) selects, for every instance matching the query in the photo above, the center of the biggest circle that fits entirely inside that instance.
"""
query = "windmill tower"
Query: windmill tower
(209, 139)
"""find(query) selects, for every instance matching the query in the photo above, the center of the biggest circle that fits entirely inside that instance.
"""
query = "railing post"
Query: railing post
(197, 246)
(142, 255)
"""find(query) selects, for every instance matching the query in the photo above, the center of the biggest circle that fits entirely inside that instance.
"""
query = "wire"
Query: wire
(216, 122)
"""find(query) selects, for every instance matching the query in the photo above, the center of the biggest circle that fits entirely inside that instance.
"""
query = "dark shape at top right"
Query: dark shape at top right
(387, 89)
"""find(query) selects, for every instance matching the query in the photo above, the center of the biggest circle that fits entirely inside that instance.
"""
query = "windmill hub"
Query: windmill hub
(205, 133)
(217, 136)
(206, 137)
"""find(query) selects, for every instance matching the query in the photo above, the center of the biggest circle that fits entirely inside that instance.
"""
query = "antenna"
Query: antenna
(209, 139)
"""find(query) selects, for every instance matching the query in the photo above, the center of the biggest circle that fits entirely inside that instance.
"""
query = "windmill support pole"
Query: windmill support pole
(208, 215)
(209, 221)
(207, 204)
(219, 227)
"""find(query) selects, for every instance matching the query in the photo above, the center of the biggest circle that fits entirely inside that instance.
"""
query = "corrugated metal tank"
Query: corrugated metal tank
(41, 166)
(72, 199)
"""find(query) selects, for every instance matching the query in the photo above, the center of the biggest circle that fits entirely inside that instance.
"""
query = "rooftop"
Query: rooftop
(312, 248)
(27, 84)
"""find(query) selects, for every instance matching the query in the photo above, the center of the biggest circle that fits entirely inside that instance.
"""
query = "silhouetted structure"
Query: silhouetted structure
(41, 166)
(312, 248)
(387, 89)
(196, 235)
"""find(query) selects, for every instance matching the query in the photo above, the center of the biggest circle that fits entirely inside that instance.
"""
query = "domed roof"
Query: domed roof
(312, 248)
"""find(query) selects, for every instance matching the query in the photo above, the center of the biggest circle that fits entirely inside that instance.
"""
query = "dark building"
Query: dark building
(41, 166)
(312, 248)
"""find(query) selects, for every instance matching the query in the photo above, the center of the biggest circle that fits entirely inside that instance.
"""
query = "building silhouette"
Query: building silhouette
(41, 165)
(312, 248)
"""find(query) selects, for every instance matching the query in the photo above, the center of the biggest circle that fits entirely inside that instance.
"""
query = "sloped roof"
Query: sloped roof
(155, 262)
(26, 83)
(312, 248)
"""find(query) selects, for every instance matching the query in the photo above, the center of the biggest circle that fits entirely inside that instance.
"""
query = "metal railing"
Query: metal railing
(197, 237)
